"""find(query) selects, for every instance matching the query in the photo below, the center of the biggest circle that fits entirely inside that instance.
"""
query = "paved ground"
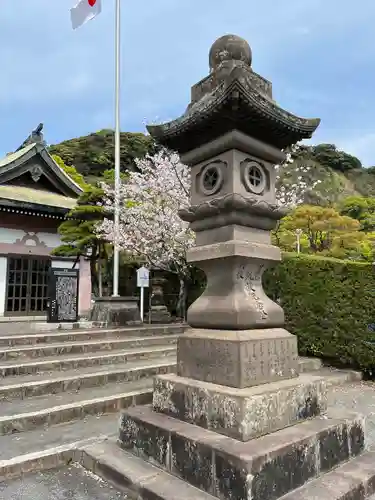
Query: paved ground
(76, 484)
(72, 483)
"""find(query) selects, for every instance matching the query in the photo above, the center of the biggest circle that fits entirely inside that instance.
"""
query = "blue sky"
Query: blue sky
(319, 55)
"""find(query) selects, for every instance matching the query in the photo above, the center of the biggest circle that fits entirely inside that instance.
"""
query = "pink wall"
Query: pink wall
(84, 286)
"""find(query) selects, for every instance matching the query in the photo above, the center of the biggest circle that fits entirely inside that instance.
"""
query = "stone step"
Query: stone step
(14, 447)
(12, 336)
(310, 364)
(45, 411)
(338, 377)
(277, 463)
(20, 387)
(45, 459)
(67, 362)
(141, 479)
(77, 345)
(354, 480)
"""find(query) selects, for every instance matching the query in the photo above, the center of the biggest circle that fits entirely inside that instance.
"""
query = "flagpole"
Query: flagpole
(116, 256)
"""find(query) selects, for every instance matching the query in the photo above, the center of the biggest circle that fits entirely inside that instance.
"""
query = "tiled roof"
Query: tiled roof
(36, 196)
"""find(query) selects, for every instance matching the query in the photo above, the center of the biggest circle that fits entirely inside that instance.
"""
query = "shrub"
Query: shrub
(329, 305)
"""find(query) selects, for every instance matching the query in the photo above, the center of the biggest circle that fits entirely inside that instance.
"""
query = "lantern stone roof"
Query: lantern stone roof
(232, 97)
(30, 179)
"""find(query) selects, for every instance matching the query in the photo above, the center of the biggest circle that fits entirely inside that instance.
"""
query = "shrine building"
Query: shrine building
(35, 196)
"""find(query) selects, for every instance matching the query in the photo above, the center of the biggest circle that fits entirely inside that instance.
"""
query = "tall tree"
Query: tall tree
(361, 209)
(324, 230)
(150, 228)
(79, 237)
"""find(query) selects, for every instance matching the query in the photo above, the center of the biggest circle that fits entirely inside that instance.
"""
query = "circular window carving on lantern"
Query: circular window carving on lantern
(211, 179)
(254, 178)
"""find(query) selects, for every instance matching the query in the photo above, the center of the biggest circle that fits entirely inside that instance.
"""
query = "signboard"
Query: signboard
(143, 277)
(63, 295)
(143, 281)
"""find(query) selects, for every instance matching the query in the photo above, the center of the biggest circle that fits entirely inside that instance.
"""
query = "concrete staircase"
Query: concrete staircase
(66, 377)
(64, 389)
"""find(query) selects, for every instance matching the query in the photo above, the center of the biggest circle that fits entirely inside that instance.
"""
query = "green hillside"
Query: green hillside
(93, 154)
(339, 173)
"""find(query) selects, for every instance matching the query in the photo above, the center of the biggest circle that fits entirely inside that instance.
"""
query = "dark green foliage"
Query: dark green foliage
(77, 232)
(360, 208)
(329, 156)
(94, 153)
(329, 304)
(71, 171)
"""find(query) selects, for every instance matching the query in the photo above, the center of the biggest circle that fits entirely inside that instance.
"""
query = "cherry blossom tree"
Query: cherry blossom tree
(150, 227)
(292, 180)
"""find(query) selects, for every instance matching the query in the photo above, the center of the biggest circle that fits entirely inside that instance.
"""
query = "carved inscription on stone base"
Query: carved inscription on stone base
(238, 359)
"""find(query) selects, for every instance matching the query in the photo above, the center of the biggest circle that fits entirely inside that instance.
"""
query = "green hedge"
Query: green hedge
(329, 304)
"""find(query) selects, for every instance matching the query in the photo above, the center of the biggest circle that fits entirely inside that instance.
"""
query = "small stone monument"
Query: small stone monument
(116, 311)
(237, 420)
(158, 310)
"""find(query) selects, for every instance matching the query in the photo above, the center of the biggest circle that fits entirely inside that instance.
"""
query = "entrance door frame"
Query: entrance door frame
(29, 284)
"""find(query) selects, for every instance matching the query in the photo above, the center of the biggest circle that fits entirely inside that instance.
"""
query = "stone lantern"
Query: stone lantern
(237, 420)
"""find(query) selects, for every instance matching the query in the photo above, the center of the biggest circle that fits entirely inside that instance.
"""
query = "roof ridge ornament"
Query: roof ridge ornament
(36, 137)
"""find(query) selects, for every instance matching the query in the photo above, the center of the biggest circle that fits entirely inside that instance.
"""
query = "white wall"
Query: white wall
(3, 283)
(64, 264)
(8, 235)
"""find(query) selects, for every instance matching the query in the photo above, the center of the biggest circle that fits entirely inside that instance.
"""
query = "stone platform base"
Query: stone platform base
(116, 311)
(159, 315)
(242, 414)
(353, 480)
(263, 469)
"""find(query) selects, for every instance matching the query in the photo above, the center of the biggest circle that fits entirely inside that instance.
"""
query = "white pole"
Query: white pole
(298, 232)
(116, 260)
(142, 302)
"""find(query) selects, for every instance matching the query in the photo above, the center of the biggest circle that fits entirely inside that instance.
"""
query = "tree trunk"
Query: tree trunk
(94, 278)
(100, 277)
(182, 300)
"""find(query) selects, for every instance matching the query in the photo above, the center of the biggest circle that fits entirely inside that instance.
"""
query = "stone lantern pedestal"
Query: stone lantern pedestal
(238, 421)
(158, 311)
(116, 311)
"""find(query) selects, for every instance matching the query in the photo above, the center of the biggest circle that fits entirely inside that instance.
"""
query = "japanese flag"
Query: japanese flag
(84, 11)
